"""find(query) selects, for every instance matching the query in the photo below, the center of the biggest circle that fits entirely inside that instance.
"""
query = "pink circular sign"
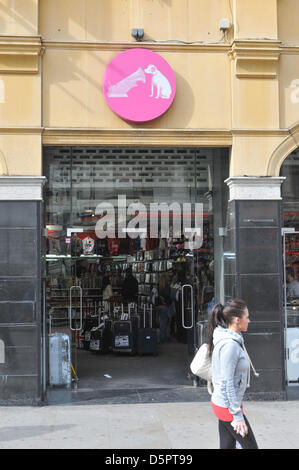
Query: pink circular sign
(139, 85)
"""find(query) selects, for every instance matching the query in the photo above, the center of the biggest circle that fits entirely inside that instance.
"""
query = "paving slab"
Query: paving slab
(181, 425)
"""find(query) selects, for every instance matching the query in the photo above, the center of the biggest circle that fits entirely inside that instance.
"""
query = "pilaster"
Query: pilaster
(252, 271)
(20, 290)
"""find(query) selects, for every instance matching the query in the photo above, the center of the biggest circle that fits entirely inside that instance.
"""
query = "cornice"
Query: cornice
(289, 49)
(249, 47)
(260, 132)
(171, 46)
(246, 46)
(254, 187)
(255, 58)
(140, 136)
(21, 43)
(100, 136)
(154, 137)
(20, 130)
(21, 188)
(20, 54)
(256, 46)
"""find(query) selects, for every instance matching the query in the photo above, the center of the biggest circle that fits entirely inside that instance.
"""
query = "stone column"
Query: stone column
(253, 272)
(20, 289)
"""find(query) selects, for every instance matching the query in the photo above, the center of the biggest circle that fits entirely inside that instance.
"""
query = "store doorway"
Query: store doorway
(149, 215)
(291, 305)
(290, 213)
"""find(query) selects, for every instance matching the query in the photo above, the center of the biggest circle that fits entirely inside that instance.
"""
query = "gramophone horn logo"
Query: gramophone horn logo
(139, 85)
(121, 89)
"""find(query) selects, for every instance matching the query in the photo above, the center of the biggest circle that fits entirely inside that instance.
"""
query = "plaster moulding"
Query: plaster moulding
(254, 187)
(118, 46)
(20, 54)
(21, 188)
(255, 59)
(284, 149)
(140, 136)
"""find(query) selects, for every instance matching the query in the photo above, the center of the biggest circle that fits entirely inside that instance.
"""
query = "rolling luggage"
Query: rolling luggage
(125, 335)
(101, 338)
(60, 360)
(147, 340)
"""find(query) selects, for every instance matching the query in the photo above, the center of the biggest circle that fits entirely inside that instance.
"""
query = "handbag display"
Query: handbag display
(202, 365)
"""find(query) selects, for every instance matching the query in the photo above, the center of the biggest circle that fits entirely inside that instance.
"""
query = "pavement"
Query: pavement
(150, 424)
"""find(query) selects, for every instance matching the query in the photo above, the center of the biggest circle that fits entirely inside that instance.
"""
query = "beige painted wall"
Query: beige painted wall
(186, 20)
(256, 151)
(255, 104)
(255, 18)
(19, 100)
(288, 19)
(19, 17)
(243, 85)
(73, 91)
(289, 89)
(21, 153)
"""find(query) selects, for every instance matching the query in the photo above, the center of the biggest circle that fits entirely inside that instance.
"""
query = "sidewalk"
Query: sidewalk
(187, 425)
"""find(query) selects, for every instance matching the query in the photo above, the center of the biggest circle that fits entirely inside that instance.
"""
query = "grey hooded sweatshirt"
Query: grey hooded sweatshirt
(230, 368)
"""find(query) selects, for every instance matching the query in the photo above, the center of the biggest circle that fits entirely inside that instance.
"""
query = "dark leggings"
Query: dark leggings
(228, 436)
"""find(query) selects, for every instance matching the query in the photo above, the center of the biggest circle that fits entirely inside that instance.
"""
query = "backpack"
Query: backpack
(202, 365)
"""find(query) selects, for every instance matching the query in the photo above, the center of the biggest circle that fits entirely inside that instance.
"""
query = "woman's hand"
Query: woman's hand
(240, 427)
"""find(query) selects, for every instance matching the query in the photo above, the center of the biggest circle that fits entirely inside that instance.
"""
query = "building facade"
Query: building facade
(233, 128)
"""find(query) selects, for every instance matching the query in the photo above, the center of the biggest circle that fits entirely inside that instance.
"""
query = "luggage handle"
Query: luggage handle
(132, 306)
(151, 315)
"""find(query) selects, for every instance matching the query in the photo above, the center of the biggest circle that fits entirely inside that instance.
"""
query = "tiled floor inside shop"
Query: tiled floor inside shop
(122, 378)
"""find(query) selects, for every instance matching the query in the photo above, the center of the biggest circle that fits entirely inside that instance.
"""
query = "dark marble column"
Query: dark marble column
(20, 290)
(253, 272)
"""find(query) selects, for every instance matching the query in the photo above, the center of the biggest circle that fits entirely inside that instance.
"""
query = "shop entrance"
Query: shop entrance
(132, 241)
(291, 305)
(290, 193)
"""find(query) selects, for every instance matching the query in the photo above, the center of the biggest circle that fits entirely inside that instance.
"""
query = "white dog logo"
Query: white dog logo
(160, 82)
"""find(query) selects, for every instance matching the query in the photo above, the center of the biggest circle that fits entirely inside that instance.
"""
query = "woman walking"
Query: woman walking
(230, 372)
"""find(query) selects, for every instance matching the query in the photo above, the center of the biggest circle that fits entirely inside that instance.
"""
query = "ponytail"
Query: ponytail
(216, 318)
(222, 315)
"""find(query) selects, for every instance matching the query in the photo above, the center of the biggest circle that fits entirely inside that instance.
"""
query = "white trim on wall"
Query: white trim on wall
(254, 187)
(21, 188)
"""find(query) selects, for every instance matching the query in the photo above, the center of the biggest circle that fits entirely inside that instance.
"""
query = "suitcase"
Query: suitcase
(101, 339)
(125, 335)
(147, 339)
(60, 360)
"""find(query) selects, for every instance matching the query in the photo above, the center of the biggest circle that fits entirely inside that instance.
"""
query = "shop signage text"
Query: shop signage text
(156, 217)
